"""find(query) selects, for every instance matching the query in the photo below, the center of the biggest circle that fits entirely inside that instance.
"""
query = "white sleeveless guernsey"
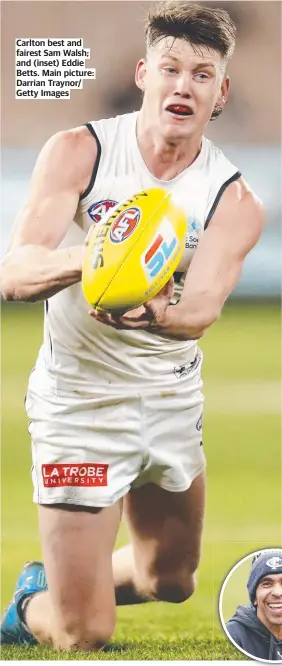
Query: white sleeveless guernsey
(82, 355)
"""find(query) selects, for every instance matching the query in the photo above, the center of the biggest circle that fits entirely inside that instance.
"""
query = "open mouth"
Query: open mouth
(276, 608)
(179, 110)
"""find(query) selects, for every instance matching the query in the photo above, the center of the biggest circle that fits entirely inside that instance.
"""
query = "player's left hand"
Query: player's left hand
(151, 315)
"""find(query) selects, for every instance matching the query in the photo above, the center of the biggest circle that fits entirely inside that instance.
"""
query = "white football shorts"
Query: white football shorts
(90, 450)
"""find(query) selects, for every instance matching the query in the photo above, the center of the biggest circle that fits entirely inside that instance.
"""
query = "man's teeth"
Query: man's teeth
(180, 110)
(278, 606)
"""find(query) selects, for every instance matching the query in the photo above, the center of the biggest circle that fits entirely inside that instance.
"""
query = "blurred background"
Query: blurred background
(242, 370)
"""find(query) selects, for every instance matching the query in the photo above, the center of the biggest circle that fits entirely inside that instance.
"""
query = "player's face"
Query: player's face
(181, 86)
(269, 600)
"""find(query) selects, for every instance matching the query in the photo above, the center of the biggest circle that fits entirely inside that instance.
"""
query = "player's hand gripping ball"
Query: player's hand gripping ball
(133, 252)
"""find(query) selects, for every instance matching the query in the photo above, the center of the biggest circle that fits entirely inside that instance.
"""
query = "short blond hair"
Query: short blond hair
(201, 26)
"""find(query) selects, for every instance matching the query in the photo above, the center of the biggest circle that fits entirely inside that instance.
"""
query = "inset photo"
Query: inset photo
(250, 605)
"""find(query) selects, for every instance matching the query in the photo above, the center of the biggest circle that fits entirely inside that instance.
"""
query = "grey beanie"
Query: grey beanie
(264, 563)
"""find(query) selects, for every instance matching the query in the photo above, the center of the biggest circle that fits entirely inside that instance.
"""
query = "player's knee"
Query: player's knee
(173, 588)
(85, 636)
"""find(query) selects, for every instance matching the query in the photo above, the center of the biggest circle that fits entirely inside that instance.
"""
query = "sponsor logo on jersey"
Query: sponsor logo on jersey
(158, 255)
(100, 208)
(125, 224)
(192, 237)
(274, 562)
(82, 474)
(195, 226)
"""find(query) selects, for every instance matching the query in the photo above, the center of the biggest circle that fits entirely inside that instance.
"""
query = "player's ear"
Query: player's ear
(224, 91)
(140, 74)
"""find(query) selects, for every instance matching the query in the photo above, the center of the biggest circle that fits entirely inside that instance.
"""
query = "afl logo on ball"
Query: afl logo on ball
(125, 224)
(100, 208)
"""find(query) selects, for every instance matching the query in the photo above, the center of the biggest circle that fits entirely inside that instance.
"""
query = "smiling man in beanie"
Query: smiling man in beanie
(257, 628)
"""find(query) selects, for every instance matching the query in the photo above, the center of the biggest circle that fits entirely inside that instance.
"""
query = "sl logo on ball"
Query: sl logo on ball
(125, 224)
(160, 252)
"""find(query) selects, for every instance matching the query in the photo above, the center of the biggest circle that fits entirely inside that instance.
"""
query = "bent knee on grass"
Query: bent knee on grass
(173, 588)
(69, 628)
(83, 636)
(89, 629)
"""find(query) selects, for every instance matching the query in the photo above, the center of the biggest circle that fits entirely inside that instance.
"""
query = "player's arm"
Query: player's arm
(33, 268)
(216, 266)
(213, 273)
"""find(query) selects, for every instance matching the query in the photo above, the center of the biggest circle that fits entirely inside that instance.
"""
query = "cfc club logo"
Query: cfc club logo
(160, 251)
(100, 208)
(124, 224)
(274, 563)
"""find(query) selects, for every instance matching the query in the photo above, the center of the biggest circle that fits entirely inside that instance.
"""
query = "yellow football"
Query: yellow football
(133, 251)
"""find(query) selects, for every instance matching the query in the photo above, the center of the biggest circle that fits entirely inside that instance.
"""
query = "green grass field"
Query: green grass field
(242, 441)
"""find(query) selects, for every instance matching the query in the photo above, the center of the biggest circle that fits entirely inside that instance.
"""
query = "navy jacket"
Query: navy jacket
(251, 635)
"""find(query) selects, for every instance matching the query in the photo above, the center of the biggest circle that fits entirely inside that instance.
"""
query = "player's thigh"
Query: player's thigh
(166, 527)
(77, 547)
